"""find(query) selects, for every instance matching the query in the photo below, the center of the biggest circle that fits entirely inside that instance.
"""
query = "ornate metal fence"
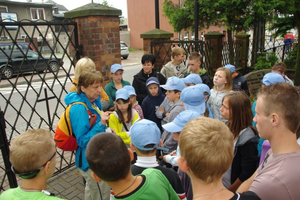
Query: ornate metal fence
(36, 65)
(161, 49)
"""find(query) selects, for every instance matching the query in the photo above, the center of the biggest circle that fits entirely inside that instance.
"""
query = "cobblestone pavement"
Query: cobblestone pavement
(67, 185)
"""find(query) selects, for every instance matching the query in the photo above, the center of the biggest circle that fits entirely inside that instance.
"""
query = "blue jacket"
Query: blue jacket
(80, 125)
(150, 104)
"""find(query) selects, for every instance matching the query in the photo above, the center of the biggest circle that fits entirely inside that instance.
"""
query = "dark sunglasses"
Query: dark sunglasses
(29, 175)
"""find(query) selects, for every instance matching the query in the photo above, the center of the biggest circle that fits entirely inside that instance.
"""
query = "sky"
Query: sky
(72, 4)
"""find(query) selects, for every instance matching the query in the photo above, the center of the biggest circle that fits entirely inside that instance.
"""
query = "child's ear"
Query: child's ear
(131, 154)
(182, 164)
(96, 178)
(132, 147)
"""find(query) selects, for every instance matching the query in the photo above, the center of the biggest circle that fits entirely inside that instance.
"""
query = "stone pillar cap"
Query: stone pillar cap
(156, 33)
(93, 9)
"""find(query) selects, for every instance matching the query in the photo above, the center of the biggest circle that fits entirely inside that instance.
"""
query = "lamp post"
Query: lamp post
(157, 14)
(196, 24)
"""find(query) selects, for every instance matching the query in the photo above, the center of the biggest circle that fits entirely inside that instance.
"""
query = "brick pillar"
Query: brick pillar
(99, 35)
(244, 38)
(161, 51)
(216, 43)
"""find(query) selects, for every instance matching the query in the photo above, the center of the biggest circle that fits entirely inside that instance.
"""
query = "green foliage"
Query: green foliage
(266, 61)
(105, 3)
(290, 61)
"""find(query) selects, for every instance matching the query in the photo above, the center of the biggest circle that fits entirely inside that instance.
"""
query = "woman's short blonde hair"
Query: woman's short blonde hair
(30, 150)
(207, 146)
(83, 64)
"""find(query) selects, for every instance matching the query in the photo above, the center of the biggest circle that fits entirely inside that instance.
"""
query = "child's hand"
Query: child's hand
(167, 114)
(173, 153)
(161, 109)
(105, 117)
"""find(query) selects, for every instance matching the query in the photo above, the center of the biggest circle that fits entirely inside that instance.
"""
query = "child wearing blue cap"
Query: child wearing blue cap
(123, 117)
(153, 100)
(239, 82)
(135, 104)
(109, 160)
(145, 140)
(192, 79)
(117, 82)
(175, 128)
(174, 86)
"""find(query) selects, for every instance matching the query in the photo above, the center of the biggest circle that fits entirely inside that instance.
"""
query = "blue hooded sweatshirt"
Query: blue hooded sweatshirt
(79, 119)
(151, 103)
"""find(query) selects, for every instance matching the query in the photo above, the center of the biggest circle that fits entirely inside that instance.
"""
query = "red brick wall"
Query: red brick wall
(141, 18)
(100, 38)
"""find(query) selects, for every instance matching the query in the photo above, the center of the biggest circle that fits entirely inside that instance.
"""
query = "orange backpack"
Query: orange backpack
(64, 137)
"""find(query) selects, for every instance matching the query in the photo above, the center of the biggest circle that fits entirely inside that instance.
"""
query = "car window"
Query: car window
(123, 45)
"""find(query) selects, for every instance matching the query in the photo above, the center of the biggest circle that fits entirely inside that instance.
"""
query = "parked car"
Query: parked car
(124, 50)
(20, 62)
(22, 45)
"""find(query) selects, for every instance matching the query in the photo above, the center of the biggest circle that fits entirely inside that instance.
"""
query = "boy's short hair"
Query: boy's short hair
(283, 99)
(88, 78)
(195, 56)
(207, 146)
(176, 51)
(84, 63)
(148, 58)
(108, 157)
(31, 150)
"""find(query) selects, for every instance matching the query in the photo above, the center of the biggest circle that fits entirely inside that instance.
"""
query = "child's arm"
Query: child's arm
(115, 125)
(161, 111)
(172, 158)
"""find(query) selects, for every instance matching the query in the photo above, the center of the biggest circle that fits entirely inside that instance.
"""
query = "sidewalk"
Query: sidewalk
(67, 185)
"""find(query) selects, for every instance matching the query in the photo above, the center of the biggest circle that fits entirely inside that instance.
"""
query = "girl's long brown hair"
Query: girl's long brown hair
(240, 112)
(129, 112)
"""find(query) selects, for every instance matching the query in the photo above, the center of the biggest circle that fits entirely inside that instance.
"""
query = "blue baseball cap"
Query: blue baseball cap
(272, 78)
(193, 99)
(116, 67)
(231, 67)
(174, 83)
(152, 80)
(205, 88)
(192, 78)
(122, 94)
(130, 89)
(145, 132)
(180, 121)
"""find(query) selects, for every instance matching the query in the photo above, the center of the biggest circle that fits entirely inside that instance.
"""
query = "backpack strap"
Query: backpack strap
(92, 117)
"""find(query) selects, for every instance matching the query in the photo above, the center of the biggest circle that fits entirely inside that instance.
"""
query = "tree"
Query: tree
(286, 17)
(236, 15)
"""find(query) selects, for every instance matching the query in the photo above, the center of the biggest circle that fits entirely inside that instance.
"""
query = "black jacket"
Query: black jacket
(245, 160)
(207, 80)
(139, 83)
(240, 83)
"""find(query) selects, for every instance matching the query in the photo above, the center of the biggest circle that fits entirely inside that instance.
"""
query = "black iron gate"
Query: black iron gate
(36, 67)
(162, 51)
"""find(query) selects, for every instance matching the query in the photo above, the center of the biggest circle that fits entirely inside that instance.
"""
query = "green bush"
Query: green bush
(290, 61)
(266, 61)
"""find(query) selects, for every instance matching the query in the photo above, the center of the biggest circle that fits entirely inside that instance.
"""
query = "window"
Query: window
(3, 9)
(37, 13)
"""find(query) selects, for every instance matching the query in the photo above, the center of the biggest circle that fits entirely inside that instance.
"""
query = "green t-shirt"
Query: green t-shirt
(18, 194)
(154, 186)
